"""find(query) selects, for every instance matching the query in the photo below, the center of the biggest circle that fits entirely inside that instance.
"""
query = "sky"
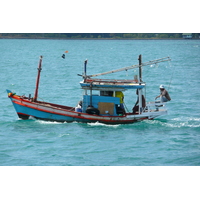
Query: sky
(89, 16)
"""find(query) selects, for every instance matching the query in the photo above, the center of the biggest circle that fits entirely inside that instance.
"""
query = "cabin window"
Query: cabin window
(106, 93)
(95, 92)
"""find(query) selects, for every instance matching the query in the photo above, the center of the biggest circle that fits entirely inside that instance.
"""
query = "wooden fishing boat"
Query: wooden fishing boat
(105, 106)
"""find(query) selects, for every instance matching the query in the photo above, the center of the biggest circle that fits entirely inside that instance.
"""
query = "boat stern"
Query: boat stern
(155, 110)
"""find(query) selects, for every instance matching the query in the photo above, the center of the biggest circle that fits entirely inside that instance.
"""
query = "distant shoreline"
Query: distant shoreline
(45, 38)
(101, 36)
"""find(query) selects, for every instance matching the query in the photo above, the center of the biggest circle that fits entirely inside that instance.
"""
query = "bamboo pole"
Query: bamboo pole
(132, 67)
(38, 79)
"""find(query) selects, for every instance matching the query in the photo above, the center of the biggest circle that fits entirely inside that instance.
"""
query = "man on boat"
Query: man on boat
(121, 108)
(164, 95)
(136, 107)
(120, 95)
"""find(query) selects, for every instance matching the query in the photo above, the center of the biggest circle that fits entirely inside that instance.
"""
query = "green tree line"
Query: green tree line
(97, 35)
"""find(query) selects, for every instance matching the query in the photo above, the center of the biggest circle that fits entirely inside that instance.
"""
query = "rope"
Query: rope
(132, 67)
(126, 107)
(171, 76)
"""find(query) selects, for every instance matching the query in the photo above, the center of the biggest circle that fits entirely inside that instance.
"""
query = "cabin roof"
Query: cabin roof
(112, 85)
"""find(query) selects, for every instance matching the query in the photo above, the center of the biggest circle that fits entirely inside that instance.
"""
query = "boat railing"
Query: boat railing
(154, 106)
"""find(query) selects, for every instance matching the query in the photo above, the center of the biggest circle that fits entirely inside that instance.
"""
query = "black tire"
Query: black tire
(92, 111)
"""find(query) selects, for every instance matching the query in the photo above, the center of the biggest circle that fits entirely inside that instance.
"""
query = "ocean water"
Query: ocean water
(171, 140)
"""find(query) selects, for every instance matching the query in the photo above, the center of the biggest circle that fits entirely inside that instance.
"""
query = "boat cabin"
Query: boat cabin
(105, 97)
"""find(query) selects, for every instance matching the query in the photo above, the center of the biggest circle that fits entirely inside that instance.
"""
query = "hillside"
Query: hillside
(96, 35)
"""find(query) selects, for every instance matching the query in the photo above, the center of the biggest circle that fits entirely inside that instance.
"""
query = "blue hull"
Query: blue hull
(26, 112)
(26, 108)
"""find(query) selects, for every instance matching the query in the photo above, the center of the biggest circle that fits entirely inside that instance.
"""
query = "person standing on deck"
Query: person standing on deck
(120, 95)
(164, 95)
(136, 106)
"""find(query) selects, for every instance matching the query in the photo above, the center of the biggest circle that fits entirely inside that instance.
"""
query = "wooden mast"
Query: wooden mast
(140, 81)
(38, 79)
(140, 68)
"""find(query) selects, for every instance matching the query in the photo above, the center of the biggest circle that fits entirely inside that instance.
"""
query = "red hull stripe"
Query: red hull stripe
(85, 117)
(19, 113)
(48, 111)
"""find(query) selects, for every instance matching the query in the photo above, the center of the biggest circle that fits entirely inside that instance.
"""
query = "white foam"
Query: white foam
(182, 124)
(61, 135)
(101, 124)
(48, 122)
(182, 118)
(179, 122)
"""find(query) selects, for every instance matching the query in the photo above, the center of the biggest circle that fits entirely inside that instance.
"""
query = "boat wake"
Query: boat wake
(186, 119)
(191, 122)
(47, 122)
(101, 124)
(179, 122)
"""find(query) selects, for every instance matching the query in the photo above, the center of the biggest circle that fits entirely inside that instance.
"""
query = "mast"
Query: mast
(85, 69)
(85, 75)
(140, 81)
(140, 68)
(38, 79)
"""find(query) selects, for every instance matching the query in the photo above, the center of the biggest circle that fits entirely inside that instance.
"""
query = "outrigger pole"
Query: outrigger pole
(133, 66)
(38, 79)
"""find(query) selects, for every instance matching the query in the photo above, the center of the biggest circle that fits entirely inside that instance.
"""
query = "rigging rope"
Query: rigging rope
(132, 67)
(126, 107)
(171, 75)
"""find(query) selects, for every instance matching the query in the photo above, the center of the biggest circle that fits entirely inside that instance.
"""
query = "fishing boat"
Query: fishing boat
(102, 100)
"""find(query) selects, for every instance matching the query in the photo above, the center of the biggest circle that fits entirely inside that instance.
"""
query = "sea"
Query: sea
(100, 161)
(170, 140)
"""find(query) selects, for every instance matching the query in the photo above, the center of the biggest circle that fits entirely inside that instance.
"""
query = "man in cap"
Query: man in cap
(164, 95)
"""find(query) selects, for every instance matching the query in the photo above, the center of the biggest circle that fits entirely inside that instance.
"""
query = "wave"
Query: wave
(191, 122)
(183, 124)
(178, 122)
(64, 134)
(101, 124)
(47, 122)
(182, 118)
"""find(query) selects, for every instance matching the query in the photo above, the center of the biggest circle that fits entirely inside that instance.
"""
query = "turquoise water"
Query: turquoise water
(171, 140)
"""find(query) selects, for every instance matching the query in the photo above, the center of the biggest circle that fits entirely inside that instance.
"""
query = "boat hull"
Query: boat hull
(26, 108)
